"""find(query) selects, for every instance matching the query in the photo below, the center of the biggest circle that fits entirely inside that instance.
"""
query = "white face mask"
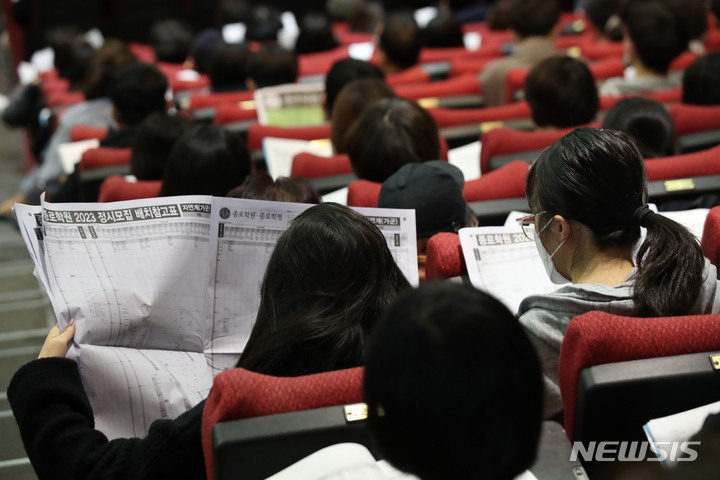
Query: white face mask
(546, 258)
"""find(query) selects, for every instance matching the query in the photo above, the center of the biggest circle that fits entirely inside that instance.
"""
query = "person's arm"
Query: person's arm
(23, 106)
(57, 428)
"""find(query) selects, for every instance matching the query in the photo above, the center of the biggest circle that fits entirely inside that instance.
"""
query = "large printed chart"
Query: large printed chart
(164, 291)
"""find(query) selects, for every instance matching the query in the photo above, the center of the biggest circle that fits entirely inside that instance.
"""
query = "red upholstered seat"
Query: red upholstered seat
(444, 257)
(105, 157)
(599, 50)
(451, 117)
(208, 100)
(180, 85)
(463, 85)
(363, 193)
(597, 338)
(462, 66)
(507, 181)
(116, 188)
(670, 95)
(230, 113)
(683, 61)
(257, 132)
(696, 164)
(711, 236)
(309, 165)
(694, 118)
(414, 74)
(59, 98)
(144, 53)
(86, 132)
(55, 84)
(239, 393)
(320, 63)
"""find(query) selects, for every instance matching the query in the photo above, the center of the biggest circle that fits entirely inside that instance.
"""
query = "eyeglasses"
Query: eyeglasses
(527, 224)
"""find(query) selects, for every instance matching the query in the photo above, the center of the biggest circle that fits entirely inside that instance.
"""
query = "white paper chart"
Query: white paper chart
(164, 291)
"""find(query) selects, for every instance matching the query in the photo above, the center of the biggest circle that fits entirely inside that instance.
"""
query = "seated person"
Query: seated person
(315, 34)
(534, 25)
(153, 142)
(561, 93)
(227, 68)
(343, 72)
(443, 31)
(202, 48)
(647, 122)
(171, 40)
(398, 46)
(389, 134)
(352, 101)
(365, 16)
(263, 24)
(261, 186)
(701, 81)
(604, 16)
(315, 315)
(439, 406)
(435, 191)
(205, 160)
(653, 39)
(588, 195)
(271, 66)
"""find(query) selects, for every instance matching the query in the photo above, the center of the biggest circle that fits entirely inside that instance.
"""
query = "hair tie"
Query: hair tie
(612, 23)
(640, 214)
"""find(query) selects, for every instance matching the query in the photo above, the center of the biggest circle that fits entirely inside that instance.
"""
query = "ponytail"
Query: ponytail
(670, 267)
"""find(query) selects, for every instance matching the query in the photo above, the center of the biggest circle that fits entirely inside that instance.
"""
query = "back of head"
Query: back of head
(152, 144)
(389, 134)
(328, 280)
(443, 31)
(227, 67)
(343, 72)
(351, 103)
(400, 42)
(72, 53)
(271, 66)
(264, 24)
(315, 34)
(111, 56)
(656, 34)
(715, 8)
(203, 47)
(206, 160)
(597, 178)
(365, 16)
(533, 18)
(561, 92)
(261, 186)
(693, 16)
(605, 17)
(434, 190)
(232, 11)
(701, 81)
(453, 386)
(171, 40)
(137, 90)
(647, 122)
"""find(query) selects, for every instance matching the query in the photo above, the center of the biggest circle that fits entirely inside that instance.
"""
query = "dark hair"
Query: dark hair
(605, 17)
(111, 56)
(715, 8)
(656, 34)
(597, 178)
(561, 92)
(272, 66)
(400, 40)
(171, 40)
(72, 54)
(647, 122)
(315, 34)
(232, 11)
(498, 15)
(206, 160)
(263, 24)
(693, 16)
(530, 18)
(227, 67)
(453, 386)
(137, 90)
(343, 72)
(351, 103)
(389, 134)
(701, 81)
(261, 186)
(328, 280)
(204, 45)
(152, 143)
(443, 31)
(365, 16)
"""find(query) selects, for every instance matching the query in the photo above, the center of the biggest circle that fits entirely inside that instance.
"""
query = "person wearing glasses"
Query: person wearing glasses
(588, 193)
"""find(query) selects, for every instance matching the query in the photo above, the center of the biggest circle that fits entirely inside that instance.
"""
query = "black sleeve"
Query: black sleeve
(23, 108)
(57, 428)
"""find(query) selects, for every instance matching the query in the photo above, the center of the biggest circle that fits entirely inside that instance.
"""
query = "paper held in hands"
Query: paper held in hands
(164, 291)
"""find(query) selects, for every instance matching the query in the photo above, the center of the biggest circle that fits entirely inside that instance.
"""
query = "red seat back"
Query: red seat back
(59, 98)
(414, 74)
(444, 257)
(116, 188)
(463, 85)
(239, 393)
(105, 157)
(87, 132)
(694, 118)
(363, 193)
(230, 113)
(451, 117)
(507, 181)
(597, 338)
(711, 236)
(257, 132)
(208, 100)
(309, 165)
(696, 164)
(506, 141)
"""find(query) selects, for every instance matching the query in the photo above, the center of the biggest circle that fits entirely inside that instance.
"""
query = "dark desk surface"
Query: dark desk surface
(553, 458)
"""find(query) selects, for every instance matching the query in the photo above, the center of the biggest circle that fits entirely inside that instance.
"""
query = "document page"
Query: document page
(164, 291)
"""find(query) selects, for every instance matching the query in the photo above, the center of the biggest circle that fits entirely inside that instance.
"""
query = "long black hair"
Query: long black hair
(597, 178)
(328, 280)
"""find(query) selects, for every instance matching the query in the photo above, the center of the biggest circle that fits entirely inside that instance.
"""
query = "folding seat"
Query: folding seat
(96, 165)
(444, 257)
(142, 52)
(666, 96)
(54, 85)
(462, 66)
(61, 98)
(696, 126)
(601, 50)
(363, 193)
(87, 132)
(696, 164)
(711, 236)
(116, 188)
(462, 90)
(505, 182)
(257, 132)
(416, 74)
(213, 100)
(320, 63)
(683, 61)
(453, 117)
(309, 165)
(231, 115)
(239, 393)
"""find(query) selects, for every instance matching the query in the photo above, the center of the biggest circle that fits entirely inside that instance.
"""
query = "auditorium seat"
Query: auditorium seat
(697, 127)
(87, 132)
(444, 257)
(711, 236)
(116, 188)
(363, 193)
